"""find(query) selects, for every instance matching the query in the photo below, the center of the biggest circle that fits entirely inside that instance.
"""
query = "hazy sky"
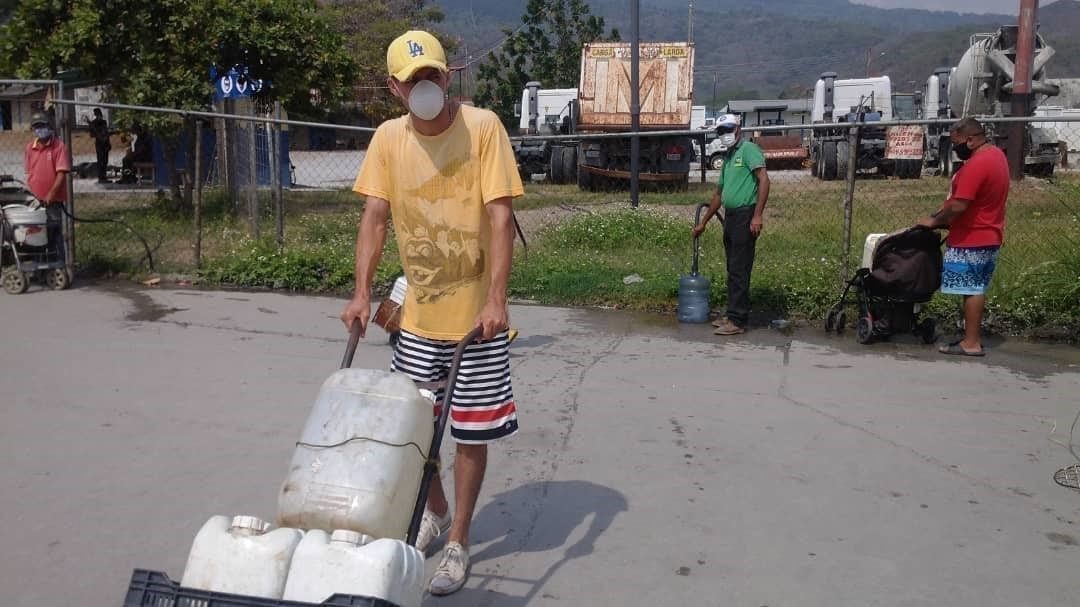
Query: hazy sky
(1008, 7)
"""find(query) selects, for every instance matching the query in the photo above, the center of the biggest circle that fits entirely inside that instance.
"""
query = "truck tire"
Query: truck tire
(555, 166)
(910, 169)
(716, 162)
(1045, 169)
(945, 156)
(569, 164)
(843, 156)
(828, 161)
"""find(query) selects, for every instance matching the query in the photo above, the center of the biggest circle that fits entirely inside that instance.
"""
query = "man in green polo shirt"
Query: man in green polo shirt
(743, 190)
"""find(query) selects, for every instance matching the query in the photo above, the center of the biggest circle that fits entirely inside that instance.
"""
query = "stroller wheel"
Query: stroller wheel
(841, 322)
(927, 331)
(16, 282)
(864, 331)
(830, 320)
(57, 279)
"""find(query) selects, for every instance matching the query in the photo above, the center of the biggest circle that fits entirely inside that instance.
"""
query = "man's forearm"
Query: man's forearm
(61, 177)
(943, 217)
(370, 239)
(714, 207)
(502, 248)
(762, 194)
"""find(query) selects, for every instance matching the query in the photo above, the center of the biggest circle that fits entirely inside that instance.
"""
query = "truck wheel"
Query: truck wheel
(716, 162)
(569, 164)
(828, 161)
(945, 156)
(843, 155)
(555, 166)
(1045, 169)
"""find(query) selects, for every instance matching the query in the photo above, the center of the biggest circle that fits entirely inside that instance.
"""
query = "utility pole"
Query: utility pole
(716, 106)
(690, 24)
(635, 102)
(1022, 96)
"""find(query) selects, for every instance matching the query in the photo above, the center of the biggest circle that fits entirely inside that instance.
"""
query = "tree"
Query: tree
(368, 27)
(159, 53)
(546, 48)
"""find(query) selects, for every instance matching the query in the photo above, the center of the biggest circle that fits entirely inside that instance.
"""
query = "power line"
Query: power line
(482, 54)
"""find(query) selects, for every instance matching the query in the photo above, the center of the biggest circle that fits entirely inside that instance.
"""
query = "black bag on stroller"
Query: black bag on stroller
(905, 271)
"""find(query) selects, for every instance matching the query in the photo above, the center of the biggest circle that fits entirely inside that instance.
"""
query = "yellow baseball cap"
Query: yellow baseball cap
(412, 51)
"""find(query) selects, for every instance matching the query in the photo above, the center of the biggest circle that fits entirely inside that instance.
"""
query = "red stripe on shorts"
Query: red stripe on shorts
(483, 415)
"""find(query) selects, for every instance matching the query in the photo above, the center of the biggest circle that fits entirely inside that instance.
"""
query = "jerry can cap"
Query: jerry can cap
(252, 523)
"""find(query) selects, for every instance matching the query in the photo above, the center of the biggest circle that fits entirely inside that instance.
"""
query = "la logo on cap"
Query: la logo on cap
(415, 48)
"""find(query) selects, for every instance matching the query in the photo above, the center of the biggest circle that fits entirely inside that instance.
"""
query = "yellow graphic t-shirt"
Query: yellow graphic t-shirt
(437, 188)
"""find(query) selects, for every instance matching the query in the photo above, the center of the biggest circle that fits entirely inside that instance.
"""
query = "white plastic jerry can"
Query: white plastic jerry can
(241, 555)
(868, 249)
(360, 458)
(347, 562)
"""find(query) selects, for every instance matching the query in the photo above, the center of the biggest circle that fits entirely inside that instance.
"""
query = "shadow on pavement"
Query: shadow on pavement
(551, 511)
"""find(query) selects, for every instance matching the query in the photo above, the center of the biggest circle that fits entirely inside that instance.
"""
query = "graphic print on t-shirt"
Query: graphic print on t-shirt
(441, 248)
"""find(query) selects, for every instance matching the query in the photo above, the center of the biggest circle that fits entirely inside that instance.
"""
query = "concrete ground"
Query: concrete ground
(657, 464)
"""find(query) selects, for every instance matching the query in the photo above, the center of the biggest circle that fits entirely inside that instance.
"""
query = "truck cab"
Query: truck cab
(856, 100)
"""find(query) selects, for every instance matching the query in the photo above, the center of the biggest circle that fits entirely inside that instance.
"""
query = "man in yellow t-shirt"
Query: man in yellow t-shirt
(446, 174)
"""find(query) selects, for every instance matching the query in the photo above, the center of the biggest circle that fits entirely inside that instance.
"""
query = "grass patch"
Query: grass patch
(582, 245)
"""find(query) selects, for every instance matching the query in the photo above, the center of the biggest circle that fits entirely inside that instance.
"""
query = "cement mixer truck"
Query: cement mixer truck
(981, 85)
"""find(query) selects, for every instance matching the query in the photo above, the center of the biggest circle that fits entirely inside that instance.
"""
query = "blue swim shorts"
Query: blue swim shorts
(967, 270)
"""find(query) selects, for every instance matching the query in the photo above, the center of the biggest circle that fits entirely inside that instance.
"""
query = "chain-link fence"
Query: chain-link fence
(204, 196)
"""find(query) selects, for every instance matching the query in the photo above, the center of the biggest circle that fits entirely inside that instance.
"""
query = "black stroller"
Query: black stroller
(905, 270)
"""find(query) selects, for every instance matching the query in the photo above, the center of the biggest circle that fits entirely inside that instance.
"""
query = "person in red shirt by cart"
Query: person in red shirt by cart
(47, 165)
(974, 213)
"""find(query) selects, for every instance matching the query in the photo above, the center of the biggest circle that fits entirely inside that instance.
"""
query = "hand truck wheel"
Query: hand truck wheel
(16, 282)
(57, 279)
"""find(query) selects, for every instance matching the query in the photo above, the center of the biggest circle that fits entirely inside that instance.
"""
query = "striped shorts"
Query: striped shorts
(482, 406)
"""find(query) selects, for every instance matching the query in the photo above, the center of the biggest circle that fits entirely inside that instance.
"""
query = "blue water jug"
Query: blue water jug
(693, 287)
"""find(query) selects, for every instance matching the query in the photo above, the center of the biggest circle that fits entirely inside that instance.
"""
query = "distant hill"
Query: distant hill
(780, 47)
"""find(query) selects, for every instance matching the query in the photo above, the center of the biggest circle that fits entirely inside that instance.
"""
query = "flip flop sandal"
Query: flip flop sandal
(957, 350)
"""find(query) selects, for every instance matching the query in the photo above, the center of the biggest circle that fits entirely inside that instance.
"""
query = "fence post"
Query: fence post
(65, 127)
(849, 200)
(274, 132)
(253, 175)
(197, 220)
(704, 158)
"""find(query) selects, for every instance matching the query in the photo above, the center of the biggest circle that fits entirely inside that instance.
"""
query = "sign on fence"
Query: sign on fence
(904, 143)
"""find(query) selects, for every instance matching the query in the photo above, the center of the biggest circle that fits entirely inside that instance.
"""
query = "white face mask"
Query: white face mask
(42, 132)
(426, 100)
(728, 139)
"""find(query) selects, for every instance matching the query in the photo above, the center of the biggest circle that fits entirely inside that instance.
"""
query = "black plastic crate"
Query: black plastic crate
(155, 589)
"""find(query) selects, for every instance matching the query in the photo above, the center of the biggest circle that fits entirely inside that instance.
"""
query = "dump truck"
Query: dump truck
(982, 83)
(666, 82)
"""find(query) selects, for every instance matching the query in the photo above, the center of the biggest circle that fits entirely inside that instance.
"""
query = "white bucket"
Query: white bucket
(240, 556)
(347, 562)
(360, 457)
(28, 225)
